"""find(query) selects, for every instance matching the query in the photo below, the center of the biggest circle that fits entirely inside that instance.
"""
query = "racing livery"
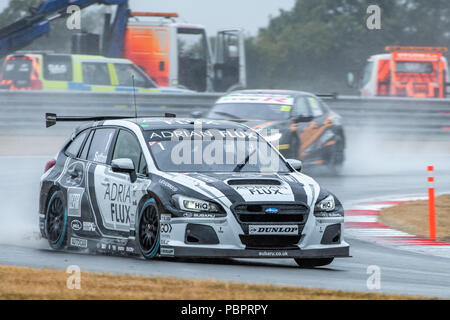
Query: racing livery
(137, 186)
(300, 124)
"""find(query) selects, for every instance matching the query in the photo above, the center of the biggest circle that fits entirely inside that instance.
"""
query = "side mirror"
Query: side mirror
(351, 79)
(303, 119)
(196, 114)
(295, 164)
(124, 165)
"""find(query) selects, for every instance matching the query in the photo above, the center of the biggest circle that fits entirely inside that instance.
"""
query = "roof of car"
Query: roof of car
(269, 92)
(152, 123)
(75, 56)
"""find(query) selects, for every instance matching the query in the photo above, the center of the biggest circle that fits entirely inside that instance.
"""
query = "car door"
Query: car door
(74, 177)
(300, 126)
(126, 72)
(97, 156)
(96, 75)
(117, 196)
(229, 63)
(311, 131)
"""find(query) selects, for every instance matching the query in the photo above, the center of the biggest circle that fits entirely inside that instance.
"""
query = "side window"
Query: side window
(127, 146)
(367, 73)
(125, 71)
(142, 165)
(86, 146)
(316, 108)
(74, 147)
(57, 68)
(96, 73)
(300, 108)
(101, 142)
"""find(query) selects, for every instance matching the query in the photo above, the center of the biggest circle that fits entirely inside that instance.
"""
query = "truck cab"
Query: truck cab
(416, 72)
(180, 55)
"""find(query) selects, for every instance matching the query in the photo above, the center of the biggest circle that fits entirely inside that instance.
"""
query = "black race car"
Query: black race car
(298, 123)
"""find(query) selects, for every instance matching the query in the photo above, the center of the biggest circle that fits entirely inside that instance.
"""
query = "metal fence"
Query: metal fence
(22, 112)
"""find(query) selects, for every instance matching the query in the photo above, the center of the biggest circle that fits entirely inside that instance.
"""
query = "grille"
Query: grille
(296, 213)
(269, 241)
(289, 213)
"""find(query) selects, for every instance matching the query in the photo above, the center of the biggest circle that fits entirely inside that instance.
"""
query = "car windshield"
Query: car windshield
(17, 69)
(259, 111)
(213, 150)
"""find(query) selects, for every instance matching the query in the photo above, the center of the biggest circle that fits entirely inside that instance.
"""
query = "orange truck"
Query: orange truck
(178, 54)
(416, 72)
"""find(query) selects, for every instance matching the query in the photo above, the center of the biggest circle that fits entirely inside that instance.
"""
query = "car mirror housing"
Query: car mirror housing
(351, 80)
(295, 164)
(124, 165)
(196, 114)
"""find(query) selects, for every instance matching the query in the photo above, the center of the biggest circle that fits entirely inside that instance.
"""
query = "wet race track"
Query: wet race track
(369, 174)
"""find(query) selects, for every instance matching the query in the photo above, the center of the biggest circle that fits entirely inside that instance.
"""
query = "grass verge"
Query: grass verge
(412, 217)
(30, 283)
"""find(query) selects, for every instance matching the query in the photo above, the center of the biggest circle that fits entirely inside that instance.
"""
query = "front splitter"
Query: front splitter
(338, 252)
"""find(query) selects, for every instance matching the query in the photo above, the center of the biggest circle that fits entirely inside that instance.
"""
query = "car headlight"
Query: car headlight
(326, 204)
(327, 208)
(195, 205)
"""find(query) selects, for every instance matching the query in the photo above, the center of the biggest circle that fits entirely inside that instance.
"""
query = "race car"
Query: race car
(175, 187)
(302, 125)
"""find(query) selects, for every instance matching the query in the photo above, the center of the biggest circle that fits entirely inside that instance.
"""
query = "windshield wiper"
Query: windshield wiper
(239, 167)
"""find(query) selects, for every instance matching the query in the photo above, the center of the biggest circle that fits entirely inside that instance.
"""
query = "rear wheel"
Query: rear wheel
(312, 263)
(56, 221)
(148, 229)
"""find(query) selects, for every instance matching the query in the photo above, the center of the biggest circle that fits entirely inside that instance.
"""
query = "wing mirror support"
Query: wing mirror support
(303, 119)
(351, 80)
(295, 164)
(124, 165)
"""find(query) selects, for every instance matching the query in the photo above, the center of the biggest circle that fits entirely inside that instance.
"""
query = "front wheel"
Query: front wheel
(148, 229)
(56, 221)
(336, 160)
(312, 263)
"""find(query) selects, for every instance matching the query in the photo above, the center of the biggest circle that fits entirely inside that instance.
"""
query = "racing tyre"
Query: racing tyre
(148, 229)
(336, 160)
(311, 263)
(56, 221)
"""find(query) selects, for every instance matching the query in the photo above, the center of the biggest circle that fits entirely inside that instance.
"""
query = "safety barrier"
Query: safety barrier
(22, 111)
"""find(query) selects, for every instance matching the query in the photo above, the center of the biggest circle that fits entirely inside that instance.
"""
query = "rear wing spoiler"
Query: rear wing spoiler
(332, 95)
(51, 118)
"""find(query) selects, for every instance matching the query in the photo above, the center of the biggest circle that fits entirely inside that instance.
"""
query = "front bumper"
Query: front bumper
(318, 238)
(340, 251)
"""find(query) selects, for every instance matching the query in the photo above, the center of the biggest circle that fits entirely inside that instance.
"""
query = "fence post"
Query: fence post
(431, 204)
